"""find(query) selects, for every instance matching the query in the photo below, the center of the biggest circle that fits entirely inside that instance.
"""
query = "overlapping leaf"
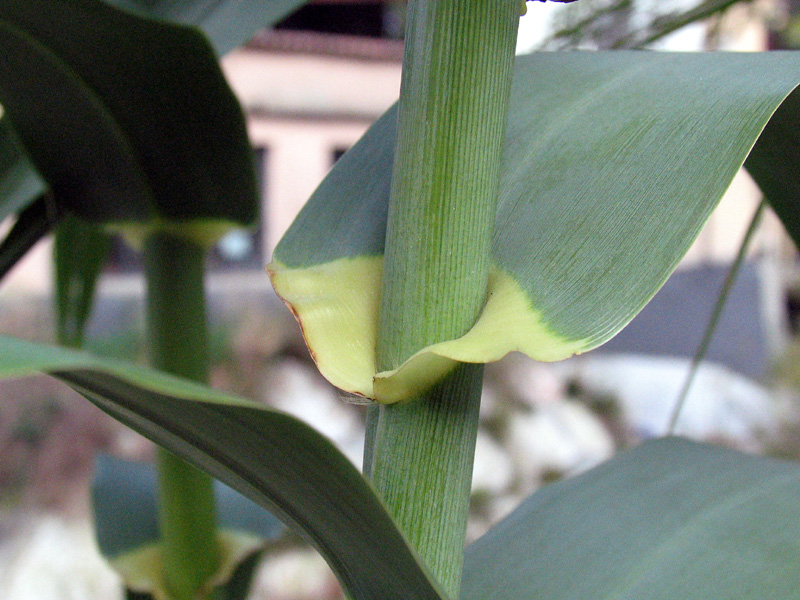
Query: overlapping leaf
(613, 162)
(20, 187)
(671, 519)
(19, 182)
(774, 163)
(270, 457)
(127, 119)
(227, 23)
(125, 505)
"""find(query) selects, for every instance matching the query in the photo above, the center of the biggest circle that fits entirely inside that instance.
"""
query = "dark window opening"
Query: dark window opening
(373, 19)
(793, 310)
(337, 153)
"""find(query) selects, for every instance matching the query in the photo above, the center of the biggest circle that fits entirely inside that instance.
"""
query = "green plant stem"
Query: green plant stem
(422, 469)
(178, 343)
(666, 24)
(451, 124)
(719, 307)
(370, 431)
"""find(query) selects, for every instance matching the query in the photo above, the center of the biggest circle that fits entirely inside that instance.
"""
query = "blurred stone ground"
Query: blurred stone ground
(538, 423)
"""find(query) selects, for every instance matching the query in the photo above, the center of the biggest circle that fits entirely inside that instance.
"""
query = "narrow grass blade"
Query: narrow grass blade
(80, 251)
(719, 307)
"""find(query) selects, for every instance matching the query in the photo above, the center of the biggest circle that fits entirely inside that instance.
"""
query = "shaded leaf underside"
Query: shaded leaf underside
(270, 457)
(613, 162)
(227, 23)
(157, 131)
(19, 182)
(669, 519)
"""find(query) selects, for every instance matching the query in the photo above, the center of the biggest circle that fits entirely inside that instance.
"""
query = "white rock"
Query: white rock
(492, 472)
(295, 575)
(49, 558)
(489, 403)
(532, 382)
(295, 388)
(562, 437)
(721, 404)
(503, 506)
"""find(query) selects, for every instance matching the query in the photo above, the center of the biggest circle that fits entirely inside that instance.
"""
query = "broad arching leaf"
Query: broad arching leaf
(129, 120)
(270, 457)
(613, 162)
(774, 163)
(671, 519)
(227, 23)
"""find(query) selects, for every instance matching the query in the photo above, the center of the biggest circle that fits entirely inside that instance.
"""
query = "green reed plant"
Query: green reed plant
(529, 205)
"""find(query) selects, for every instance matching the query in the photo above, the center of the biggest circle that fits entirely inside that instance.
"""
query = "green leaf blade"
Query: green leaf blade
(632, 152)
(671, 519)
(20, 184)
(227, 23)
(613, 162)
(79, 253)
(103, 120)
(270, 457)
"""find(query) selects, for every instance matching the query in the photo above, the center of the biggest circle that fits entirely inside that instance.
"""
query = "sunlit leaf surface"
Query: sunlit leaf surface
(671, 519)
(613, 162)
